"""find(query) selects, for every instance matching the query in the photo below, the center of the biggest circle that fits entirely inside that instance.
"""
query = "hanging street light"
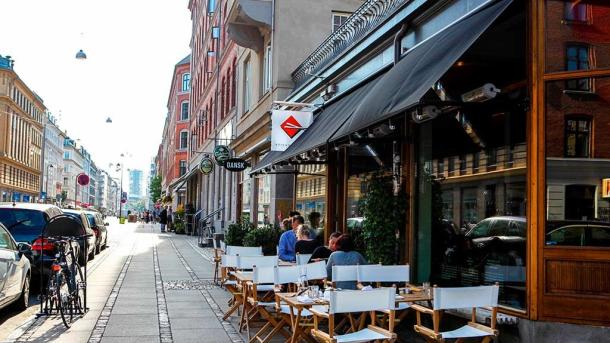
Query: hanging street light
(80, 55)
(109, 120)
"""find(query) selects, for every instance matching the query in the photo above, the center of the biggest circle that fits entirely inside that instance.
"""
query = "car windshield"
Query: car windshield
(17, 220)
(91, 219)
(480, 230)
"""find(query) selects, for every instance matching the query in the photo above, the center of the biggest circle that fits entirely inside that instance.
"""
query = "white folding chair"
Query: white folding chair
(457, 298)
(377, 274)
(248, 262)
(357, 301)
(243, 251)
(263, 279)
(315, 271)
(228, 263)
(218, 252)
(303, 258)
(344, 274)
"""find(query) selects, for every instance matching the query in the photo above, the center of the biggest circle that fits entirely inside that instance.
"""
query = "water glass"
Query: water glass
(427, 289)
(314, 292)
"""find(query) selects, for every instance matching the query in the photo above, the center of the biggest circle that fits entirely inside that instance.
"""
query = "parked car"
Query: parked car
(502, 238)
(15, 271)
(81, 216)
(96, 221)
(25, 222)
(578, 233)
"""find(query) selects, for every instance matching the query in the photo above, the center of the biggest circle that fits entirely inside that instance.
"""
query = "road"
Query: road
(147, 286)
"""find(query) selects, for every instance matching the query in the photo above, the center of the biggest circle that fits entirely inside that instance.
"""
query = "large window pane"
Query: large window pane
(311, 194)
(578, 161)
(577, 37)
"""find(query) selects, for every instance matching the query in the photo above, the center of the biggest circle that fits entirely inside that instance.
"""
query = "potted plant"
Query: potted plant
(267, 236)
(236, 232)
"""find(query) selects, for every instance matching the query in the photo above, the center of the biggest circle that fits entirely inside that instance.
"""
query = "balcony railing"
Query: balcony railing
(362, 21)
(6, 62)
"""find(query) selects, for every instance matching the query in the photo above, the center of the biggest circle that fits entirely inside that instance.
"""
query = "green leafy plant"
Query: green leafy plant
(267, 236)
(179, 224)
(155, 187)
(384, 216)
(236, 232)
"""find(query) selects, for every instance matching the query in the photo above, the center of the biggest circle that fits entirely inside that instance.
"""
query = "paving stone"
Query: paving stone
(132, 330)
(200, 335)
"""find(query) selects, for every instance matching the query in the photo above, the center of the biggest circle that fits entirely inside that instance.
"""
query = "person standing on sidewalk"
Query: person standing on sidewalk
(163, 219)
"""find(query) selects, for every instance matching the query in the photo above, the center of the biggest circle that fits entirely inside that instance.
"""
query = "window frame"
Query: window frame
(578, 118)
(180, 146)
(186, 82)
(187, 103)
(344, 15)
(590, 63)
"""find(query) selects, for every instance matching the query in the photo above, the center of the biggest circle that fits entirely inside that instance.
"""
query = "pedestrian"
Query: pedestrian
(163, 219)
(170, 218)
(146, 216)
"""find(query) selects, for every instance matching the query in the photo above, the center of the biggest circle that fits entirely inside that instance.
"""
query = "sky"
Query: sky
(132, 47)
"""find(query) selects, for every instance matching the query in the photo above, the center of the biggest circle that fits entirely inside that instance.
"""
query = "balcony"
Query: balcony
(6, 62)
(246, 20)
(365, 19)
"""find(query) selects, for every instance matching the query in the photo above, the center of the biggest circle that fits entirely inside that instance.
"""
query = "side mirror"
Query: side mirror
(24, 248)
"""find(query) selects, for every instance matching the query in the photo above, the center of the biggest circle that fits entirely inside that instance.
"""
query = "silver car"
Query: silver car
(14, 271)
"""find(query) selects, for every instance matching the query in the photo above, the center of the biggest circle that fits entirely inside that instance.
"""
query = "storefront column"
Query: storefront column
(424, 213)
(331, 194)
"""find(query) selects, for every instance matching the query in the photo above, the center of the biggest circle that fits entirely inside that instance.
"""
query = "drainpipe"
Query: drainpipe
(397, 42)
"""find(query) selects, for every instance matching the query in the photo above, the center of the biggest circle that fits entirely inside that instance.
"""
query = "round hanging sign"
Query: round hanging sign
(221, 154)
(236, 164)
(206, 166)
(82, 179)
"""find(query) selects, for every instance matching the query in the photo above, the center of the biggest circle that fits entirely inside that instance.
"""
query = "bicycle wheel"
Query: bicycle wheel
(64, 300)
(80, 291)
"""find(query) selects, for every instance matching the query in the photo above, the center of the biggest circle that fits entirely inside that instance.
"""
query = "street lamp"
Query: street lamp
(80, 55)
(47, 185)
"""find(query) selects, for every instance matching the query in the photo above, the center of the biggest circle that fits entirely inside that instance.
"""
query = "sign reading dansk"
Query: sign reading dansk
(236, 164)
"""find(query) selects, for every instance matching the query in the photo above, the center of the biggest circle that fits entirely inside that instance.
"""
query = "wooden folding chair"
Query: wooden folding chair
(218, 252)
(228, 264)
(243, 251)
(377, 274)
(455, 298)
(356, 301)
(248, 263)
(344, 273)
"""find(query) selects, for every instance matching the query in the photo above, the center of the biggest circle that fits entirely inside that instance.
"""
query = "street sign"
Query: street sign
(221, 154)
(82, 179)
(236, 164)
(206, 166)
(286, 127)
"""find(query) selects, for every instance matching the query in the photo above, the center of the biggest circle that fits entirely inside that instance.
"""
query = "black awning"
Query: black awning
(267, 161)
(407, 82)
(176, 185)
(328, 121)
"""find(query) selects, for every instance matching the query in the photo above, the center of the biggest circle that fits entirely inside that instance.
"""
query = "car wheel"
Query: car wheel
(23, 301)
(98, 248)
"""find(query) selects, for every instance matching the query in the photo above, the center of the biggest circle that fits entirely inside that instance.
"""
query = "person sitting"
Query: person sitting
(317, 231)
(304, 244)
(323, 252)
(344, 256)
(288, 240)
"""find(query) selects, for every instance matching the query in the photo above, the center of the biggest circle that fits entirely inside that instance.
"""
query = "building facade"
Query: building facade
(53, 169)
(22, 116)
(482, 120)
(72, 193)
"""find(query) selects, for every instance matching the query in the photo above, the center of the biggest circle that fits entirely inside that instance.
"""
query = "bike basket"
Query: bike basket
(64, 225)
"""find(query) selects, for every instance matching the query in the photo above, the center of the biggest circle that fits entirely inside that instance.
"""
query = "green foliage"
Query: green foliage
(179, 220)
(236, 232)
(267, 236)
(155, 188)
(385, 217)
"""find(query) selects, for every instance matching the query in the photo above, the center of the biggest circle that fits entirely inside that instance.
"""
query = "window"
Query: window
(184, 139)
(578, 138)
(184, 113)
(576, 11)
(577, 58)
(247, 85)
(267, 68)
(339, 19)
(186, 82)
(66, 155)
(182, 167)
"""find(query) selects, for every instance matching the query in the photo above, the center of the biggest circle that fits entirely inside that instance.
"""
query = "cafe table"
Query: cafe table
(297, 306)
(241, 278)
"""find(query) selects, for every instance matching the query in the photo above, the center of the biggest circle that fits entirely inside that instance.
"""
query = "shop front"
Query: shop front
(494, 128)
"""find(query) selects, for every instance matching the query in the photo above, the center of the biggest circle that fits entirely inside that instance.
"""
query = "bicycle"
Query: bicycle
(66, 288)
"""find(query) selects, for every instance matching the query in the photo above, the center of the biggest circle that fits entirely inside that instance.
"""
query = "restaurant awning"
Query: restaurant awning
(402, 87)
(176, 185)
(326, 122)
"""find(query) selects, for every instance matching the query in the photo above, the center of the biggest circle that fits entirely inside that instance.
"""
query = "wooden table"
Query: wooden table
(239, 298)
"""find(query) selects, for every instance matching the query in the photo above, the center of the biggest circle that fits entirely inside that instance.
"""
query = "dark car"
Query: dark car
(578, 233)
(25, 222)
(502, 238)
(81, 216)
(14, 272)
(96, 221)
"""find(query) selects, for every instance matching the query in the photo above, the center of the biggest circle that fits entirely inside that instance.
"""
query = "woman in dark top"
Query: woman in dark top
(304, 244)
(323, 252)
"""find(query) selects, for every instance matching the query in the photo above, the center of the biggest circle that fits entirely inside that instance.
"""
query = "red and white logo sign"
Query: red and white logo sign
(291, 126)
(286, 126)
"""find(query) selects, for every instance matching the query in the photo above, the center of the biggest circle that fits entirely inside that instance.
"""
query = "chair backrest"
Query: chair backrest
(465, 297)
(315, 271)
(264, 275)
(303, 258)
(379, 273)
(286, 274)
(223, 246)
(229, 261)
(359, 301)
(345, 273)
(244, 251)
(248, 262)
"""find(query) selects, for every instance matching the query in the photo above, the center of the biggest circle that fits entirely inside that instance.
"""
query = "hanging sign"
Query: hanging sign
(206, 166)
(286, 127)
(605, 188)
(221, 154)
(82, 179)
(236, 164)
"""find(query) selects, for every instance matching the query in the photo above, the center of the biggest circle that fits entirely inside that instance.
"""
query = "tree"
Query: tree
(155, 188)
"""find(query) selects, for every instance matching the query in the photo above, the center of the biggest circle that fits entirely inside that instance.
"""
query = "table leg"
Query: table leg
(296, 332)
